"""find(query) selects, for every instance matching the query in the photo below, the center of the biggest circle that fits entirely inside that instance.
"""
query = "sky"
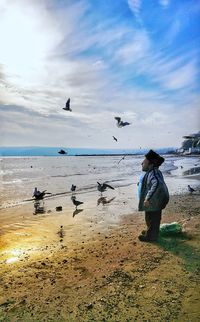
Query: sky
(136, 59)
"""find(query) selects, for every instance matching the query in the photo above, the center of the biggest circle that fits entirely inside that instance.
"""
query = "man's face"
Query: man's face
(145, 165)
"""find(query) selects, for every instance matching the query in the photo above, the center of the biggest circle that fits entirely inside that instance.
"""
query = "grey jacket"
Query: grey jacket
(154, 189)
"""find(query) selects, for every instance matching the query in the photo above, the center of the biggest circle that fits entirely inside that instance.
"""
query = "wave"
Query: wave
(68, 175)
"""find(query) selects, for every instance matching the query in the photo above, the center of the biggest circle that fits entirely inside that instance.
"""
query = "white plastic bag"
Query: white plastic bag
(170, 229)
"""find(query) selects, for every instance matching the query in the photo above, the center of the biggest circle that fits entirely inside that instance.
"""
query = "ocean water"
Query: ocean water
(19, 175)
(53, 151)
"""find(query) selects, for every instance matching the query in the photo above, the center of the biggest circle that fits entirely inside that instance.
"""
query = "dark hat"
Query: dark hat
(154, 158)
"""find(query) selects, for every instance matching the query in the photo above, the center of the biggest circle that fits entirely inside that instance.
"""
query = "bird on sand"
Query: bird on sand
(190, 189)
(40, 194)
(102, 187)
(76, 202)
(114, 138)
(73, 188)
(120, 123)
(67, 106)
(62, 152)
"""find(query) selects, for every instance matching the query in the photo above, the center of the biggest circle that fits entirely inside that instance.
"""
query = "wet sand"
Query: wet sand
(93, 274)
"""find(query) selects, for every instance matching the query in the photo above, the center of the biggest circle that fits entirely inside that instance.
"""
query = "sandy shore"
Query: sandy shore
(109, 276)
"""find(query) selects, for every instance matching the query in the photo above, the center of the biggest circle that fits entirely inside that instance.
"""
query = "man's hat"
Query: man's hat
(154, 158)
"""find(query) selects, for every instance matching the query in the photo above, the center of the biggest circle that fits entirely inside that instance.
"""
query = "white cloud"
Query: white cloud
(52, 49)
(135, 6)
(183, 77)
(164, 3)
(135, 49)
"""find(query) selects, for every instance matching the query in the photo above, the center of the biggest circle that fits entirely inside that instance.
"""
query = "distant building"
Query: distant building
(191, 144)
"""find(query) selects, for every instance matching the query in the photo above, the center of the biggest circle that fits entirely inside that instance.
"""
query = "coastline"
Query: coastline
(110, 276)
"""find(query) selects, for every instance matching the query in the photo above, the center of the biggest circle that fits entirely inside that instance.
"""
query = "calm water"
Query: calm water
(19, 175)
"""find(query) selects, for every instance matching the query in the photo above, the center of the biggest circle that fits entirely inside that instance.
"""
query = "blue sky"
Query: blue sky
(131, 58)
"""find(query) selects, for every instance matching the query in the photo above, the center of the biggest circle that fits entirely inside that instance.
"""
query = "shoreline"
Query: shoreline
(101, 154)
(110, 276)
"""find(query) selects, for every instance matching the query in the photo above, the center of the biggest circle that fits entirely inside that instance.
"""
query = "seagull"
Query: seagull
(40, 195)
(62, 152)
(121, 159)
(102, 187)
(120, 123)
(67, 106)
(190, 189)
(73, 188)
(76, 202)
(114, 138)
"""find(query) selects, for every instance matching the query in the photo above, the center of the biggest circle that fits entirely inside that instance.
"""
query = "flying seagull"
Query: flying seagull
(102, 187)
(62, 152)
(76, 202)
(67, 106)
(190, 189)
(114, 138)
(120, 123)
(121, 159)
(40, 195)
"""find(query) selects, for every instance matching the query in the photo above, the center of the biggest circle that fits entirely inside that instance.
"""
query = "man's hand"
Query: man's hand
(146, 203)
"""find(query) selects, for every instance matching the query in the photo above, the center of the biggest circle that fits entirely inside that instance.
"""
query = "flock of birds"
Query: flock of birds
(101, 187)
(38, 195)
(120, 123)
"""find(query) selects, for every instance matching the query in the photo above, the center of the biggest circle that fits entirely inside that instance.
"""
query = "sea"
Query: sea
(19, 175)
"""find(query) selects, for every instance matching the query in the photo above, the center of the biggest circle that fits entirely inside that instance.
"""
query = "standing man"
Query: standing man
(153, 196)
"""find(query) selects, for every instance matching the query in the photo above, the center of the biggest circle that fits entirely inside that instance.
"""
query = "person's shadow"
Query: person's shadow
(178, 245)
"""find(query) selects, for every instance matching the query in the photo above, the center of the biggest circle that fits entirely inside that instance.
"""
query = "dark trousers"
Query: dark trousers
(153, 219)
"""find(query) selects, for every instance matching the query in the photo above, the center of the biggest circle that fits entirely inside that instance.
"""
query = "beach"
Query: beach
(94, 268)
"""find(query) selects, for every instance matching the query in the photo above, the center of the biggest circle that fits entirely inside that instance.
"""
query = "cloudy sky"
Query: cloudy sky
(135, 59)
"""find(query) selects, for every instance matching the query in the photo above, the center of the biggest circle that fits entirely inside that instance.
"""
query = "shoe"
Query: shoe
(144, 238)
